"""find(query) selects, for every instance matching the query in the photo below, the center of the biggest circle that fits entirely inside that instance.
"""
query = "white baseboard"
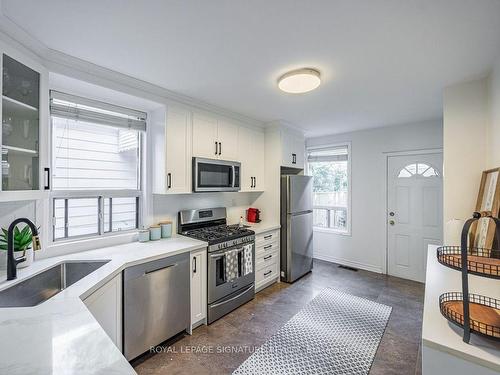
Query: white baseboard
(349, 263)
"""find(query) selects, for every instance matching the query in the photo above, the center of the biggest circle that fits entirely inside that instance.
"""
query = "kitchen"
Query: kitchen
(172, 204)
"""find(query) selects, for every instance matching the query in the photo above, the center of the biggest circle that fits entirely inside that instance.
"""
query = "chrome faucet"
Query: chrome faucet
(11, 261)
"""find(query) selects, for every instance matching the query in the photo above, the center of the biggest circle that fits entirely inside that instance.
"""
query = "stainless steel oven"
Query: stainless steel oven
(215, 175)
(225, 295)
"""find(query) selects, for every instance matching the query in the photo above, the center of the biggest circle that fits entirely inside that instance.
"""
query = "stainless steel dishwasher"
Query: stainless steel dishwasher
(156, 303)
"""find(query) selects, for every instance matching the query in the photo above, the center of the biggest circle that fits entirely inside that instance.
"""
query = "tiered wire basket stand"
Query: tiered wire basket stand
(474, 313)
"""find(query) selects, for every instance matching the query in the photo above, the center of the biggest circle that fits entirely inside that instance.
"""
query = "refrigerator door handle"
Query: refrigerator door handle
(300, 213)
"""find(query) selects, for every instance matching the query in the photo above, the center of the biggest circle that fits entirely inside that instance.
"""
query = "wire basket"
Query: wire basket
(484, 313)
(482, 262)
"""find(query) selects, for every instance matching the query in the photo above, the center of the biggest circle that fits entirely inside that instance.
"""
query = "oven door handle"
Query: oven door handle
(232, 298)
(214, 256)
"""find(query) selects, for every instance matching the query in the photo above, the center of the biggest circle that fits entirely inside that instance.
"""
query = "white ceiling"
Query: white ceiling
(383, 62)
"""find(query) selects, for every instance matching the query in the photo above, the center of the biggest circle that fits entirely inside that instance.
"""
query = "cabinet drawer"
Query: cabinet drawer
(265, 260)
(267, 237)
(266, 274)
(266, 249)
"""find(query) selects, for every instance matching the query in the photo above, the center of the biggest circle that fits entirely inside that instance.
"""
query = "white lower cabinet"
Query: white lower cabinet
(105, 304)
(267, 259)
(198, 287)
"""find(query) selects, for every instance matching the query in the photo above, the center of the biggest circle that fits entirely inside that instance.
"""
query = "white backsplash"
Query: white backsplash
(167, 206)
(9, 211)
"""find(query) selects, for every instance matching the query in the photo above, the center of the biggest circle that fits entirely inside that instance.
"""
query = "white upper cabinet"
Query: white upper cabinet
(205, 142)
(178, 151)
(227, 136)
(292, 149)
(214, 139)
(171, 135)
(251, 155)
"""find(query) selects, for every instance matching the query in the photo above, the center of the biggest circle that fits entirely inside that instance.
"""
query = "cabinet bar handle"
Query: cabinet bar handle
(267, 247)
(268, 273)
(216, 148)
(47, 176)
(220, 148)
(169, 180)
(194, 265)
(268, 237)
(268, 257)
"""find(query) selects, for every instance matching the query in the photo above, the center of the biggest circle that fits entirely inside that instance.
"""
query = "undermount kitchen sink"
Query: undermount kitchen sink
(42, 286)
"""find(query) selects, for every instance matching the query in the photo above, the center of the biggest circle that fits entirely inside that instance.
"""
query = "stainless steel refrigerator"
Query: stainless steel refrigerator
(296, 226)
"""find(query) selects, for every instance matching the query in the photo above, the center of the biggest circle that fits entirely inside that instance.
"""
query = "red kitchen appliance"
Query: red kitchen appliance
(253, 215)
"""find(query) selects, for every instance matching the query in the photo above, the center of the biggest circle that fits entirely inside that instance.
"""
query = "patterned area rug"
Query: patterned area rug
(336, 333)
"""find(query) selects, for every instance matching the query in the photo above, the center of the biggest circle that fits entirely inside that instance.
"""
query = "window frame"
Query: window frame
(98, 194)
(348, 230)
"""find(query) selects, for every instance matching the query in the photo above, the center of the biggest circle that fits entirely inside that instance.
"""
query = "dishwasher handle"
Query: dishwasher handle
(160, 269)
(149, 268)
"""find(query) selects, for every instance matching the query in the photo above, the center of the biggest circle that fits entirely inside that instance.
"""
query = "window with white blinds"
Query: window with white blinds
(330, 168)
(96, 149)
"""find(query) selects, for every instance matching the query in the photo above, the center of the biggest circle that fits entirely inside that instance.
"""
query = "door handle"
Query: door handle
(392, 222)
(255, 182)
(169, 180)
(194, 265)
(220, 148)
(216, 148)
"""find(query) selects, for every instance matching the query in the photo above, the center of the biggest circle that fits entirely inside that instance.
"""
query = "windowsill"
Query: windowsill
(84, 244)
(332, 231)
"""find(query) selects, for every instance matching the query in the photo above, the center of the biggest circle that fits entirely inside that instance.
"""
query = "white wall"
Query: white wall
(366, 246)
(471, 118)
(464, 128)
(493, 157)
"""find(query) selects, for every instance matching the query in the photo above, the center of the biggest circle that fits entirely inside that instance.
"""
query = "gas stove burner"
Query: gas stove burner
(219, 233)
(210, 225)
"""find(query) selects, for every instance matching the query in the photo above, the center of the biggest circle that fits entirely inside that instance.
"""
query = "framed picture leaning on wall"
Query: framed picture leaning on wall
(483, 233)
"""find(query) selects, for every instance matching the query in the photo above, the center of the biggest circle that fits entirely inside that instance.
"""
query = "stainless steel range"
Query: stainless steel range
(231, 258)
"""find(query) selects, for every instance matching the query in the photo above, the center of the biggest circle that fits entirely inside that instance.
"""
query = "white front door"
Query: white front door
(414, 212)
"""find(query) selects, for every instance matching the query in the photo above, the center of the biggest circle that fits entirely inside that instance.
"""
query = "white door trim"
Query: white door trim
(385, 266)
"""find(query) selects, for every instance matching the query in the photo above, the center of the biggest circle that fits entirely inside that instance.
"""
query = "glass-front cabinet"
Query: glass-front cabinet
(20, 126)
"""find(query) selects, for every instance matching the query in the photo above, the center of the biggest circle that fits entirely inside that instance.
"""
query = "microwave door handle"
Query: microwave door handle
(234, 176)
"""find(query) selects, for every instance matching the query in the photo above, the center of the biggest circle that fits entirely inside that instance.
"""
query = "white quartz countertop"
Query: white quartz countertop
(438, 333)
(60, 336)
(262, 227)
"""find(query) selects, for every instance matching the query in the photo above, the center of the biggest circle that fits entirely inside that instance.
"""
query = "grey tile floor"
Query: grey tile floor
(224, 345)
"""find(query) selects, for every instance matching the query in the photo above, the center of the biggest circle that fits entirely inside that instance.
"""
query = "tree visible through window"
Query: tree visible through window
(329, 168)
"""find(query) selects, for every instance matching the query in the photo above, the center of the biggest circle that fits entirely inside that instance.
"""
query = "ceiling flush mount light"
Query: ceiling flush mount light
(299, 81)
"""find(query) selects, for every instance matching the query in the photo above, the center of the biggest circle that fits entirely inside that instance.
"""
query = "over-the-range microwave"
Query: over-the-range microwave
(215, 175)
